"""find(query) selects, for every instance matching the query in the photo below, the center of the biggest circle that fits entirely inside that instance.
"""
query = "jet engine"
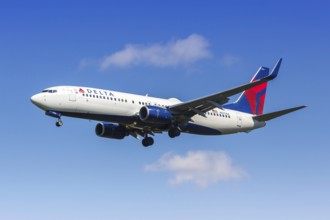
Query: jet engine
(113, 131)
(155, 114)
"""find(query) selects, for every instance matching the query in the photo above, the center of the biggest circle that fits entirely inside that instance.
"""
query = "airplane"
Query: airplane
(123, 114)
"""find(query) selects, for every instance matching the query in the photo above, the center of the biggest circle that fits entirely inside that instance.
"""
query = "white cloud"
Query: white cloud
(174, 53)
(86, 63)
(199, 167)
(229, 60)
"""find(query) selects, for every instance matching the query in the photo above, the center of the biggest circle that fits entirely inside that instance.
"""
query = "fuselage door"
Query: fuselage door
(239, 120)
(72, 95)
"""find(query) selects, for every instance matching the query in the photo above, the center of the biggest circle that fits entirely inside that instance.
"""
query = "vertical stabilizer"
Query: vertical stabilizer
(252, 100)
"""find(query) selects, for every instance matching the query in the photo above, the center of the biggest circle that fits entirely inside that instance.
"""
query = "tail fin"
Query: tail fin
(252, 100)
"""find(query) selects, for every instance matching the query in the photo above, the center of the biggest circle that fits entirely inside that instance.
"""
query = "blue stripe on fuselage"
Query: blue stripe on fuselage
(199, 129)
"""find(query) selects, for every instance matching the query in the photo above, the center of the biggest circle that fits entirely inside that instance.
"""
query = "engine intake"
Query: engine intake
(111, 131)
(155, 114)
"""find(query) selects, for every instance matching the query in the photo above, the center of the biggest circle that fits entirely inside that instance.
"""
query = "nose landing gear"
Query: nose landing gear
(57, 115)
(59, 123)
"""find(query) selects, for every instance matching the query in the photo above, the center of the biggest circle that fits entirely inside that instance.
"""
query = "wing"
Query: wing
(186, 110)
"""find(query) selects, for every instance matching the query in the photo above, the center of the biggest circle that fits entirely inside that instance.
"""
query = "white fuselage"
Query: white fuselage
(123, 108)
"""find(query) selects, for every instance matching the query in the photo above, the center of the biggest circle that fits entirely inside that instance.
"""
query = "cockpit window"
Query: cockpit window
(49, 91)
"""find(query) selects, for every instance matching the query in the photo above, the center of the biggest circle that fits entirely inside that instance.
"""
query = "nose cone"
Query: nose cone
(34, 99)
(37, 100)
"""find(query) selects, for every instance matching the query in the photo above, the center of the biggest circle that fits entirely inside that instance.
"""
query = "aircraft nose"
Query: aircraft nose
(35, 99)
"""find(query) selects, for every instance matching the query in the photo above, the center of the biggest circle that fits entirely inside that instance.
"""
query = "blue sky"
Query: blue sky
(70, 173)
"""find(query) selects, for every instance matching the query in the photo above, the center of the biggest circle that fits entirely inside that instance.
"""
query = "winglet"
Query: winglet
(275, 70)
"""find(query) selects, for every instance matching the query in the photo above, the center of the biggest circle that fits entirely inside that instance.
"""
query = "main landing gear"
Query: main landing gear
(147, 141)
(174, 132)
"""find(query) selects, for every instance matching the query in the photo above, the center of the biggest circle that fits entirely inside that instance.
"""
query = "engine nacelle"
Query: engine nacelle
(111, 131)
(155, 114)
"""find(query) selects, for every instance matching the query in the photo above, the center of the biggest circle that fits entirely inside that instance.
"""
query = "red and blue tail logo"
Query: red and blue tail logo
(252, 101)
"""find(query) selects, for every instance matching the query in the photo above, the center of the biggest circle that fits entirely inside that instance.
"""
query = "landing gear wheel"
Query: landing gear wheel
(59, 123)
(174, 132)
(148, 141)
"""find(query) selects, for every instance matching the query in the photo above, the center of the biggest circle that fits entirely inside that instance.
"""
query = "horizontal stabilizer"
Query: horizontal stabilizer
(272, 115)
